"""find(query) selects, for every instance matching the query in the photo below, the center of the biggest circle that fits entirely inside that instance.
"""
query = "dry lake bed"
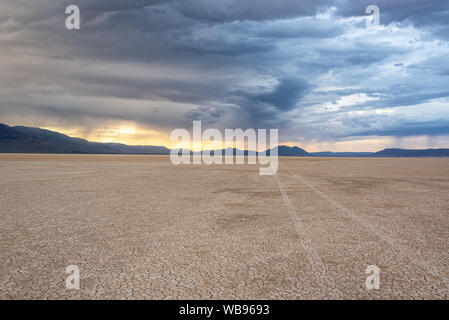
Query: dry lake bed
(138, 227)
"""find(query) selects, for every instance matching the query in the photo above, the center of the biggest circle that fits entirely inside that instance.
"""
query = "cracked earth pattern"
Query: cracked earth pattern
(139, 227)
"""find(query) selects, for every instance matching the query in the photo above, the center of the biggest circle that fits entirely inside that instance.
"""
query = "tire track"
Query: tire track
(403, 253)
(317, 266)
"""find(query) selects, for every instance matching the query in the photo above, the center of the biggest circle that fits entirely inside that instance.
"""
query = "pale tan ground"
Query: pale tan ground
(140, 227)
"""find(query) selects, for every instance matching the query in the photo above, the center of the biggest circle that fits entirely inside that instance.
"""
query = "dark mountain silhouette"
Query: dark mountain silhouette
(412, 153)
(282, 151)
(36, 140)
(290, 151)
(233, 151)
(341, 154)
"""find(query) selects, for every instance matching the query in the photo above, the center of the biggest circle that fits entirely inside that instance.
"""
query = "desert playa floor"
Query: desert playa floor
(139, 227)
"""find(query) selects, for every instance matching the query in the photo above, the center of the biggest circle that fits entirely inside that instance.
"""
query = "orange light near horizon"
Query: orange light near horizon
(126, 130)
(134, 135)
(131, 134)
(124, 133)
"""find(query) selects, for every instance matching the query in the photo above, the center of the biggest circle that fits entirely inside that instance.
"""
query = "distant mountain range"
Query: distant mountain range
(36, 140)
(341, 154)
(412, 153)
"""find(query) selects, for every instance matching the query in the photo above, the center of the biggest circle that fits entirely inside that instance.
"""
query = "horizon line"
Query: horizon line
(219, 149)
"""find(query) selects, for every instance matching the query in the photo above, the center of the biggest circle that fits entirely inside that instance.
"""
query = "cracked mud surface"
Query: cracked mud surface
(139, 227)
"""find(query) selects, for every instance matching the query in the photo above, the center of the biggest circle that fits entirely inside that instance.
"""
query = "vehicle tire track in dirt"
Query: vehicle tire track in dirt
(404, 253)
(317, 266)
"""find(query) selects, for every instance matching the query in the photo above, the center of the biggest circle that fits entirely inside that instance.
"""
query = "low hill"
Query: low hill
(283, 151)
(341, 154)
(36, 140)
(292, 151)
(412, 153)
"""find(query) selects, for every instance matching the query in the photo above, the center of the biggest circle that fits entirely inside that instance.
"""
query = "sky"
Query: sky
(138, 69)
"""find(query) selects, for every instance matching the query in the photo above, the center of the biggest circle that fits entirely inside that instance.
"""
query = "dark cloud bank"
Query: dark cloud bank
(310, 68)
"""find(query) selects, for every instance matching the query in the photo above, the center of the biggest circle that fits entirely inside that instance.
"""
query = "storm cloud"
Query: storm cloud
(313, 69)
